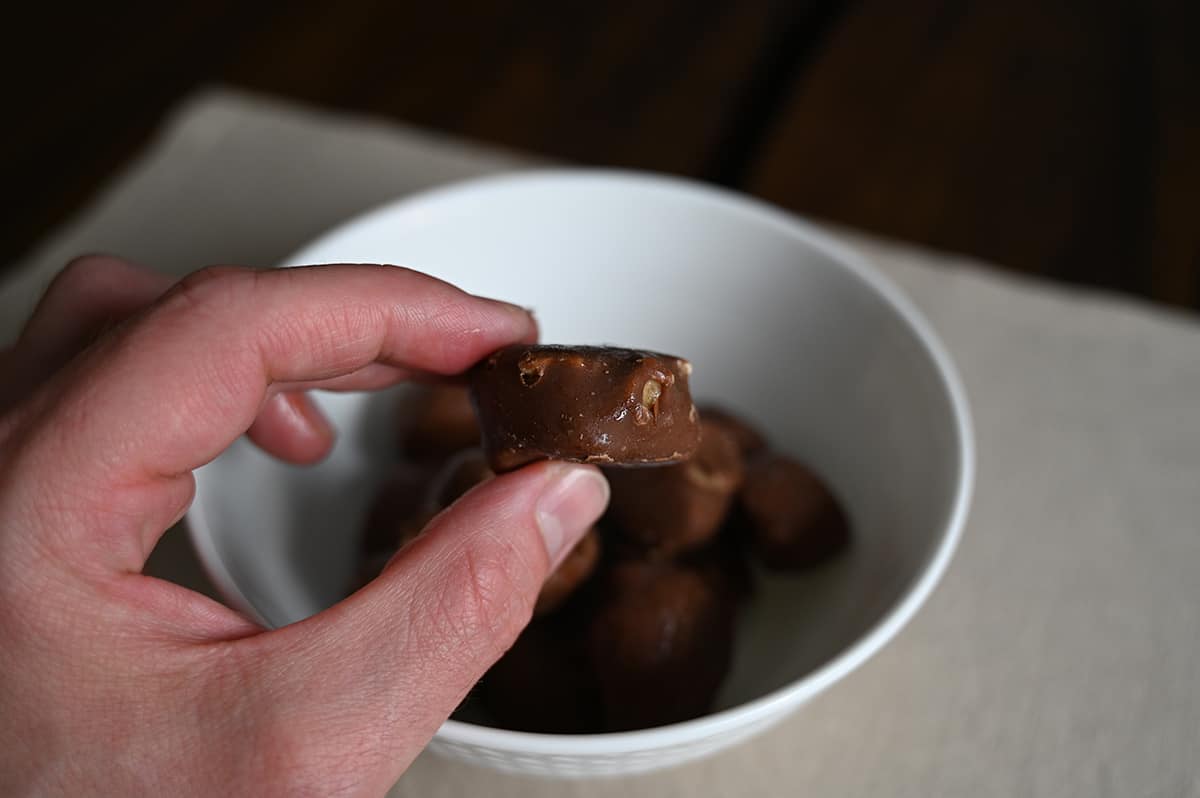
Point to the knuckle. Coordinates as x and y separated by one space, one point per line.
209 283
208 292
320 337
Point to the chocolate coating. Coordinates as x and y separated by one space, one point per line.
587 404
436 422
749 440
459 474
545 683
570 574
678 507
725 563
399 497
661 642
794 520
403 532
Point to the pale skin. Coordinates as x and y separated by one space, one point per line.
117 683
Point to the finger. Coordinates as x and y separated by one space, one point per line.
92 291
377 375
371 377
167 393
283 431
292 428
95 291
392 662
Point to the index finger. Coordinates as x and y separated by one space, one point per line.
170 391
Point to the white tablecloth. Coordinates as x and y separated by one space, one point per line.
1059 656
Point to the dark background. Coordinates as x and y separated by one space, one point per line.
1053 137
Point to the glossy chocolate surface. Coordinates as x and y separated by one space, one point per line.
749 440
586 404
660 641
678 507
794 520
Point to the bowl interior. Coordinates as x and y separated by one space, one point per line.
778 325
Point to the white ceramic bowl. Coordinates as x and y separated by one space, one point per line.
781 322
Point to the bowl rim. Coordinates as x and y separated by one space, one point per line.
772 705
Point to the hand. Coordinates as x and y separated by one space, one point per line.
116 683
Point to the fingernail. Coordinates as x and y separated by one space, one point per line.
521 316
304 413
511 308
571 501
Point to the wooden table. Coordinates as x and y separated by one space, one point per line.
1057 137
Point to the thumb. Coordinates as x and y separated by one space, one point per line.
390 663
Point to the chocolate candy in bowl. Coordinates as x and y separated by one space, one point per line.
660 640
673 508
398 499
435 422
570 574
545 683
457 475
792 517
750 441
